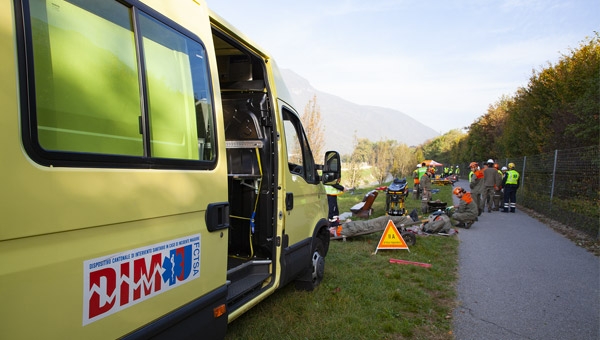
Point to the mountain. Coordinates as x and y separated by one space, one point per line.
341 118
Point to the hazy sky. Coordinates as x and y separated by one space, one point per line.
440 62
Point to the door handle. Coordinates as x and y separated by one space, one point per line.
217 216
289 201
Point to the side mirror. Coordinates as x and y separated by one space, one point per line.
332 170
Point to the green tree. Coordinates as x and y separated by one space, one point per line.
486 131
403 161
382 159
577 100
419 156
457 153
559 108
363 150
440 148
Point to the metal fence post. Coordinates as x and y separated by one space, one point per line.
553 176
523 173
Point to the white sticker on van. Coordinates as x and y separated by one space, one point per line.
118 281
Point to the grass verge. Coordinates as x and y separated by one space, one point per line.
363 295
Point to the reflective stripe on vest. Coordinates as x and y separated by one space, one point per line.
332 191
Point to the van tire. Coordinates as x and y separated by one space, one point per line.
317 267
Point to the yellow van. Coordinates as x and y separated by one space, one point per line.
157 181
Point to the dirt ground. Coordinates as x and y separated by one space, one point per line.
580 238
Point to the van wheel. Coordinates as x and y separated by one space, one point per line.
317 267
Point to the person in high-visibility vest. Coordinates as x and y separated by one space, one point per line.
510 184
474 167
416 181
422 169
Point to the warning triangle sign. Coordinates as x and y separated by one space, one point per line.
391 238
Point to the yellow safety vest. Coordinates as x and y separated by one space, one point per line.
513 177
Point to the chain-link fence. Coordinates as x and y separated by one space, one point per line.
563 185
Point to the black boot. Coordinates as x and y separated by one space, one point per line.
414 215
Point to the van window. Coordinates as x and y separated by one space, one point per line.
300 159
90 88
174 96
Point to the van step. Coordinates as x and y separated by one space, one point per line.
247 277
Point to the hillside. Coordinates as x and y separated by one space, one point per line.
341 118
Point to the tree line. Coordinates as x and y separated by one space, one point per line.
558 109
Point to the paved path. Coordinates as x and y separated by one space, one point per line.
519 279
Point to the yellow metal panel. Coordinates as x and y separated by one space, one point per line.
54 219
42 279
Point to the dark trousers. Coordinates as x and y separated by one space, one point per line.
333 206
510 197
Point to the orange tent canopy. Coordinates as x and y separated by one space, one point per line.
431 162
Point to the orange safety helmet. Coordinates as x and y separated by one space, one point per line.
457 190
473 165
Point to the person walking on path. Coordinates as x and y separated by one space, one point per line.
510 184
